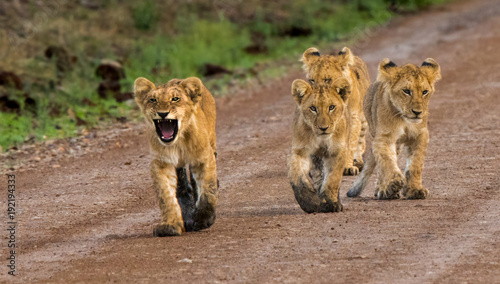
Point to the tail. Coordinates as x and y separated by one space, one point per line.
360 148
362 180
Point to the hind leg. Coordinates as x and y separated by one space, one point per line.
185 197
360 148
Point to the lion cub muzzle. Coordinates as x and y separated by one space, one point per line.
166 129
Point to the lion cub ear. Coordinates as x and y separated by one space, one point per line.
343 88
309 57
431 68
193 87
300 90
386 70
142 87
346 58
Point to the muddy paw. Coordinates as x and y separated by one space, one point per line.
392 189
359 164
351 171
415 193
189 225
164 230
203 223
338 207
327 207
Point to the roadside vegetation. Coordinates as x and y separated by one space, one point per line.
69 66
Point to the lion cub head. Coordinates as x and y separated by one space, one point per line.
322 105
410 87
326 68
169 107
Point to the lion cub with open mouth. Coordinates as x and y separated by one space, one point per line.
180 117
320 144
396 108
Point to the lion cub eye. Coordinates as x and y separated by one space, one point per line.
327 80
152 101
175 99
425 92
312 81
313 109
332 107
407 92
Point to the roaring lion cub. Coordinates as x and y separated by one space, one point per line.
319 144
326 69
396 107
180 117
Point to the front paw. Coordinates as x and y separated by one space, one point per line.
164 230
327 207
351 171
415 193
391 191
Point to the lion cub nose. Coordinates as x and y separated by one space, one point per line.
417 113
323 128
163 114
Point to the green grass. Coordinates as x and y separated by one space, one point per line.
176 42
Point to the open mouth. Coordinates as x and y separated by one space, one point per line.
166 129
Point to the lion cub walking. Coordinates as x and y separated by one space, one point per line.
319 144
180 117
326 69
396 107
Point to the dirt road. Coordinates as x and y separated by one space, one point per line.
91 220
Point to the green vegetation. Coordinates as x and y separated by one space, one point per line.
159 43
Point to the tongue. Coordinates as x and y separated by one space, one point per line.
167 129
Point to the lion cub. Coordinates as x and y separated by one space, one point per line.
326 69
319 144
396 107
180 118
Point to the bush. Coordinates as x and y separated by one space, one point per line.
145 15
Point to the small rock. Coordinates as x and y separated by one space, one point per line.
110 70
56 166
187 260
212 69
36 158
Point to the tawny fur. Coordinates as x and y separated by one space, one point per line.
396 107
326 69
319 144
185 203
